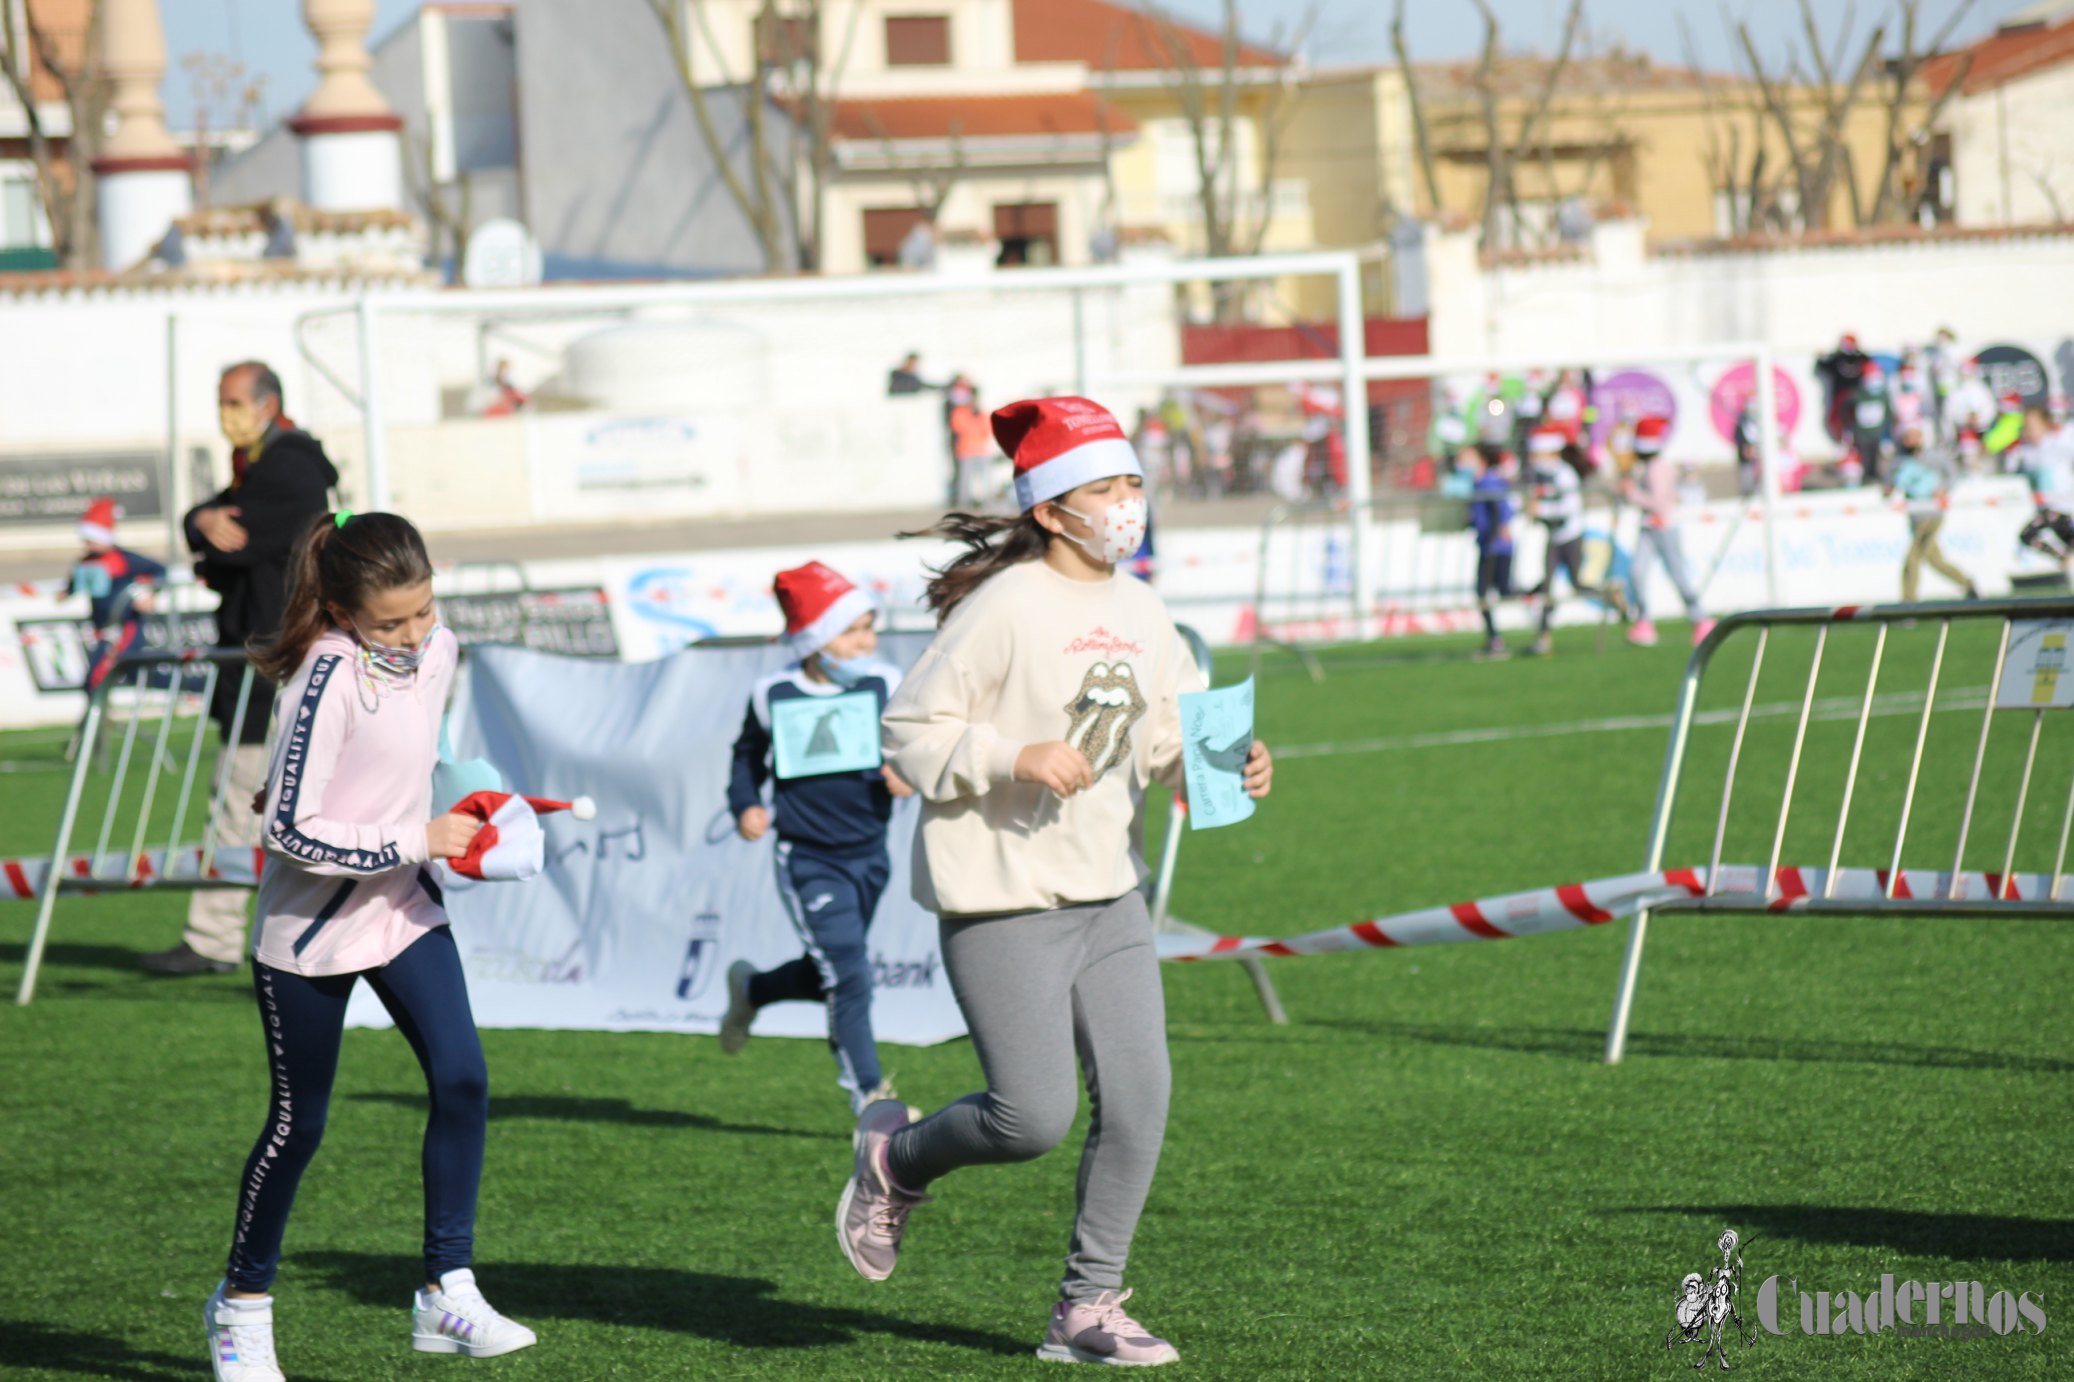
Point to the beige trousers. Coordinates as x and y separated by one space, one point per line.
216 916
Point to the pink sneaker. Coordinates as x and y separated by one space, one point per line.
1700 631
1642 634
1098 1331
873 1211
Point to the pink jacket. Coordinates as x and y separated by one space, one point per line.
347 885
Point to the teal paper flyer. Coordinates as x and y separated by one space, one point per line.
813 735
1216 736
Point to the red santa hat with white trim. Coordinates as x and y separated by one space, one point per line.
1059 444
1651 433
1546 441
98 524
819 603
511 846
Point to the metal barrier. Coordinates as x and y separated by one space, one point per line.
131 864
1163 918
2041 633
1305 585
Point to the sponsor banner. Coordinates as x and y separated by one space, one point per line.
576 622
47 489
641 910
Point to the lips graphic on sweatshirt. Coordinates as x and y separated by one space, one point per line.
1103 711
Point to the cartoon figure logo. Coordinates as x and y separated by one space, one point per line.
1706 1303
1103 711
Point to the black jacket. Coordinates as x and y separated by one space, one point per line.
283 492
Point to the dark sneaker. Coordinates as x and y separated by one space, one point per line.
873 1211
734 1023
184 959
1098 1331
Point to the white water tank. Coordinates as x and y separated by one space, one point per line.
669 366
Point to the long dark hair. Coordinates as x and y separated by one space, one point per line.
345 559
992 545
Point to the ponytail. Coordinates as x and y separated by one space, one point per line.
992 545
344 559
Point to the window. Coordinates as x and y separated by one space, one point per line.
918 40
782 41
884 229
1028 232
21 212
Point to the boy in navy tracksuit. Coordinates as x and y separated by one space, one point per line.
102 575
1490 514
831 856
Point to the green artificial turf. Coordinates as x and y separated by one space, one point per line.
1429 1173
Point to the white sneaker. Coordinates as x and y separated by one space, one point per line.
456 1319
734 1025
241 1338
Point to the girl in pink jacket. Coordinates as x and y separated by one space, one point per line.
349 892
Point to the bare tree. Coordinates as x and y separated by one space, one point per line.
932 186
1820 161
449 210
64 185
219 82
1503 155
1422 136
1890 201
778 183
1235 221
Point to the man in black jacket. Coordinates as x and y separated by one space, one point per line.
244 540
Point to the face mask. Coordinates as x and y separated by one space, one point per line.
396 661
241 423
847 671
1119 530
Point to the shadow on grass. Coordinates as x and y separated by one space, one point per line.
1960 1237
743 1311
1590 1044
579 1109
33 1344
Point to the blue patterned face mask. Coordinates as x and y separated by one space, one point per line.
396 661
848 671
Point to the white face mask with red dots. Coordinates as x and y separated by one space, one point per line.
1119 530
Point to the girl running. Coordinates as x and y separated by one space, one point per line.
1030 728
348 893
1556 470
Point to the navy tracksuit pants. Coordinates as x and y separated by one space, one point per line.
831 897
303 1019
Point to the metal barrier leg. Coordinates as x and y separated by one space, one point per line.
47 902
1163 919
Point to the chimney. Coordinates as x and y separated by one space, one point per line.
352 151
144 181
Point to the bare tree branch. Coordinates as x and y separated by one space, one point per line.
1422 137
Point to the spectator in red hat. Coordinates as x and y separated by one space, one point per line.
1031 727
831 824
1652 487
116 583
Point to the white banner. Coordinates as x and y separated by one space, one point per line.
641 911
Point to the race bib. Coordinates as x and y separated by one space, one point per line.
812 736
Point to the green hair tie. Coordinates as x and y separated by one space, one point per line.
342 517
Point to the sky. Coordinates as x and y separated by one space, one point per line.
268 36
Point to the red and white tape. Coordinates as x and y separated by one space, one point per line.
235 868
1543 911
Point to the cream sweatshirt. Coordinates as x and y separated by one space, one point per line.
1033 656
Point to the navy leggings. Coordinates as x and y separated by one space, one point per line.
303 1020
831 898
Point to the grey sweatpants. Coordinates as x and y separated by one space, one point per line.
1666 546
1037 988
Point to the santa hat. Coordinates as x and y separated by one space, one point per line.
1546 441
2012 401
511 845
818 604
1650 435
99 523
1059 444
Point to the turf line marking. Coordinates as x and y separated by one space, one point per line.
1833 708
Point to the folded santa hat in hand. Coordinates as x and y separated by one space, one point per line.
511 845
